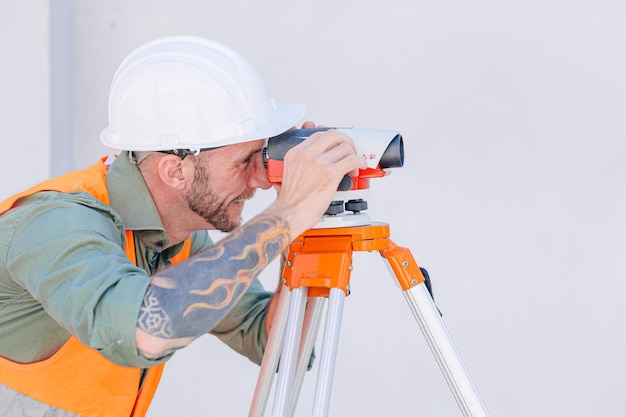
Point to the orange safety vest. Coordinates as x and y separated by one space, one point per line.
77 378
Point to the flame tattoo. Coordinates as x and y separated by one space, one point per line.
191 298
231 290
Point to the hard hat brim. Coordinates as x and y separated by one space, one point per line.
287 115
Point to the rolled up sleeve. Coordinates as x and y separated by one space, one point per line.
67 252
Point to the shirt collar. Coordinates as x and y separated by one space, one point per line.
130 198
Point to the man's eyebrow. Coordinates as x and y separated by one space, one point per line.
252 153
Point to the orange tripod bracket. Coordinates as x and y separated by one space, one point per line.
321 259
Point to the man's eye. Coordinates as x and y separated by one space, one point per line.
250 159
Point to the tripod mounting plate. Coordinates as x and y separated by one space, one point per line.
343 220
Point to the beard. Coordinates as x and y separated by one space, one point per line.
205 203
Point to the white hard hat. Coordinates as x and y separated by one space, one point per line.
185 92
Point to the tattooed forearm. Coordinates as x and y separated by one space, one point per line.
190 298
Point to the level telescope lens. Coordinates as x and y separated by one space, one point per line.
393 157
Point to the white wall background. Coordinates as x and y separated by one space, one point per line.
24 94
513 194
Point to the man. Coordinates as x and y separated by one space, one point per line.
90 304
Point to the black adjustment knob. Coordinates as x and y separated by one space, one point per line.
335 207
356 205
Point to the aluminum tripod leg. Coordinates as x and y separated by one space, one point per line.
312 319
445 352
300 339
409 277
276 345
329 353
271 356
288 359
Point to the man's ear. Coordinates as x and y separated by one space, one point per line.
174 172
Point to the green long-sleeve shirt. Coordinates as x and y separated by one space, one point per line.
63 271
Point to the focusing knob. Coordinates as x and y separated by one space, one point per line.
265 157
